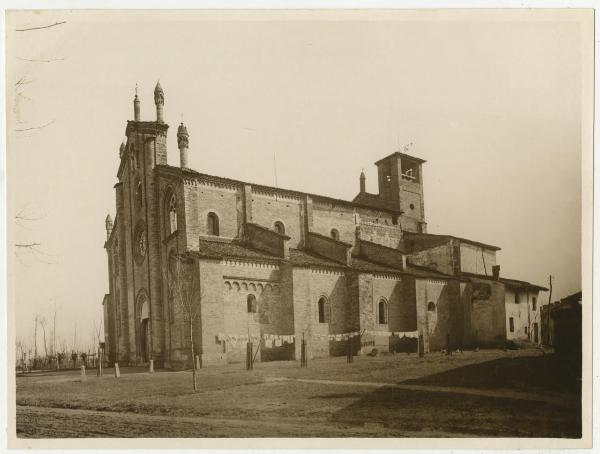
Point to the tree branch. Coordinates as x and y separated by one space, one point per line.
31 245
40 28
35 127
23 81
35 60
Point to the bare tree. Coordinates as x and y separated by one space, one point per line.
35 337
54 330
21 349
97 331
43 323
186 297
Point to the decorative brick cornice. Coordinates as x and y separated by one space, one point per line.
251 263
276 194
392 277
319 270
147 127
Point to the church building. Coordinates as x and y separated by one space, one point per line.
219 261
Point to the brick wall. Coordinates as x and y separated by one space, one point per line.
267 240
308 287
212 315
332 249
400 313
274 315
381 254
201 199
327 216
303 310
386 235
332 285
476 259
435 324
488 316
439 258
267 209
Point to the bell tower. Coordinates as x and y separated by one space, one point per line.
401 184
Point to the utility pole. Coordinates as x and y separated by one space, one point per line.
54 331
549 308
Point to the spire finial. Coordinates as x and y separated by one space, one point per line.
136 105
362 179
183 143
159 101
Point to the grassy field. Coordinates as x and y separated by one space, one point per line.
486 393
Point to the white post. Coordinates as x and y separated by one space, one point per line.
117 371
83 376
151 366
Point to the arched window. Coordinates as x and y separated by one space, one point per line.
279 227
335 234
382 315
212 224
251 304
431 306
139 194
172 209
322 307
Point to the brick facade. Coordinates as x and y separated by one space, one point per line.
369 262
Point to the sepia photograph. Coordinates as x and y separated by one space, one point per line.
352 225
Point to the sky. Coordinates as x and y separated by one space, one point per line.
493 106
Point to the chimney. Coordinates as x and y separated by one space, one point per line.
496 272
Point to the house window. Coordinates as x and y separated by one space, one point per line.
511 324
335 234
280 228
517 298
525 330
431 306
322 310
251 304
534 303
382 312
212 224
172 208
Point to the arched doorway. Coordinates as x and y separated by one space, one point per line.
144 329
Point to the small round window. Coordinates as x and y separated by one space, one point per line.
412 206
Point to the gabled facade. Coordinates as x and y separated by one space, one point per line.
280 265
